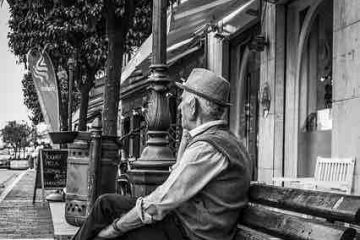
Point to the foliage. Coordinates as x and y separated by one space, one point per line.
65 32
79 29
71 25
16 135
31 99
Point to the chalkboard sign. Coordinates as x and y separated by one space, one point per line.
51 169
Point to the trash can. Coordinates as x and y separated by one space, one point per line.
81 190
76 198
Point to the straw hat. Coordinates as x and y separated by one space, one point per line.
208 85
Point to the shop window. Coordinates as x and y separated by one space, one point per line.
315 96
316 80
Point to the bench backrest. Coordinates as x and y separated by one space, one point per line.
278 212
334 173
329 205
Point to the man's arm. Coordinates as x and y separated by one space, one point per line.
198 166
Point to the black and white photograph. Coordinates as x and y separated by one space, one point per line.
179 119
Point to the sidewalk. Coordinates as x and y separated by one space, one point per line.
21 219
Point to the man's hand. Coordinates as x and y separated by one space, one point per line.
108 232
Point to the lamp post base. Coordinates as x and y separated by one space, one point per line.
145 181
153 167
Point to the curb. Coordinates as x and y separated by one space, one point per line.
62 230
11 186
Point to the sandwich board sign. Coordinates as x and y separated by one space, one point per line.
50 170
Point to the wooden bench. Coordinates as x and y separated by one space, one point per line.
288 213
331 174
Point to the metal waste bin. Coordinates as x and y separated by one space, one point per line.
76 198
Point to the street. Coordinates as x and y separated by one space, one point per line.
7 177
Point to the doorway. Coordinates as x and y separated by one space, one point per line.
308 85
245 84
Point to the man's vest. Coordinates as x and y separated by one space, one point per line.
213 212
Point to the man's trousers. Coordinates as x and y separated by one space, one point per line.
111 206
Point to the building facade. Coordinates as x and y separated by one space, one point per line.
311 67
293 66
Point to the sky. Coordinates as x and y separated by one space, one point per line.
11 74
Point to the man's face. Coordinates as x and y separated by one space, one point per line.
187 110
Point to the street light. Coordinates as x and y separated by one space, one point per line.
153 166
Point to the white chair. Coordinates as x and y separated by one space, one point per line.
331 174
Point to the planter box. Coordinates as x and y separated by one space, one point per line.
62 137
19 164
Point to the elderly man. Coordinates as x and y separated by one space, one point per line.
207 187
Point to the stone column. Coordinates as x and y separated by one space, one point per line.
346 85
272 72
218 54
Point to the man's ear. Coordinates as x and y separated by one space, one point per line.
194 107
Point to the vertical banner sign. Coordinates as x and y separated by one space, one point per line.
43 75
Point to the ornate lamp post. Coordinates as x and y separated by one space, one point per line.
153 166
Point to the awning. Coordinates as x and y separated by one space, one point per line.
187 25
142 60
189 20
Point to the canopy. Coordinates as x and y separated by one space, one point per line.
187 22
186 25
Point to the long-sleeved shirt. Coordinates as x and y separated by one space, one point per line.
194 169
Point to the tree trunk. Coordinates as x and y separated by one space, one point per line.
84 100
62 106
15 152
84 103
63 112
116 30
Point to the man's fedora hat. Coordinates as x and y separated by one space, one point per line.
208 85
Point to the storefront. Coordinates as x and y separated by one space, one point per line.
199 36
311 66
134 101
293 69
296 66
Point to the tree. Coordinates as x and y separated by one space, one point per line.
66 32
126 24
117 25
31 99
93 31
123 20
16 135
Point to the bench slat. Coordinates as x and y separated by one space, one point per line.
292 227
245 233
332 206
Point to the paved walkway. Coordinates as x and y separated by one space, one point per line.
19 218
